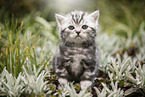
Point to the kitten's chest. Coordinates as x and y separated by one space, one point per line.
77 65
75 52
74 59
75 55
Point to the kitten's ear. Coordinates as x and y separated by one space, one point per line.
59 19
95 16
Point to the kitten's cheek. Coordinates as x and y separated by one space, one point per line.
72 35
83 35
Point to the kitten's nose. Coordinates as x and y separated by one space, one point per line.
78 32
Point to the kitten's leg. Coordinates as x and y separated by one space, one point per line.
62 76
87 79
60 70
62 81
85 84
89 74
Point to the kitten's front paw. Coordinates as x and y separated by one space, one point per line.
85 84
62 81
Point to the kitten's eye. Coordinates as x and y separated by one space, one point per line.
71 27
84 26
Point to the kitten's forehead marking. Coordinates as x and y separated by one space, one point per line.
77 16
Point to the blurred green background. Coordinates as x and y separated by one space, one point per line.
29 38
31 24
112 12
119 10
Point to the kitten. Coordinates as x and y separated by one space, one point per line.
76 58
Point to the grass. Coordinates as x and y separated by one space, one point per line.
27 49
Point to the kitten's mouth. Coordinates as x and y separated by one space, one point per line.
78 36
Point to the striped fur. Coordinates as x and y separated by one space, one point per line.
77 16
76 57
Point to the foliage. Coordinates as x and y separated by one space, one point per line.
115 91
34 79
70 90
13 53
27 49
10 85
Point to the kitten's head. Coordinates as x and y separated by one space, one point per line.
77 26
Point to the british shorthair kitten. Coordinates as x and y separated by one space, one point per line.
76 58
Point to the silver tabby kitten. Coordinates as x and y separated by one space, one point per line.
76 57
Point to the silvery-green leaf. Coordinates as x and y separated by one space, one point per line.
102 93
82 93
124 65
104 85
112 93
97 91
129 91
